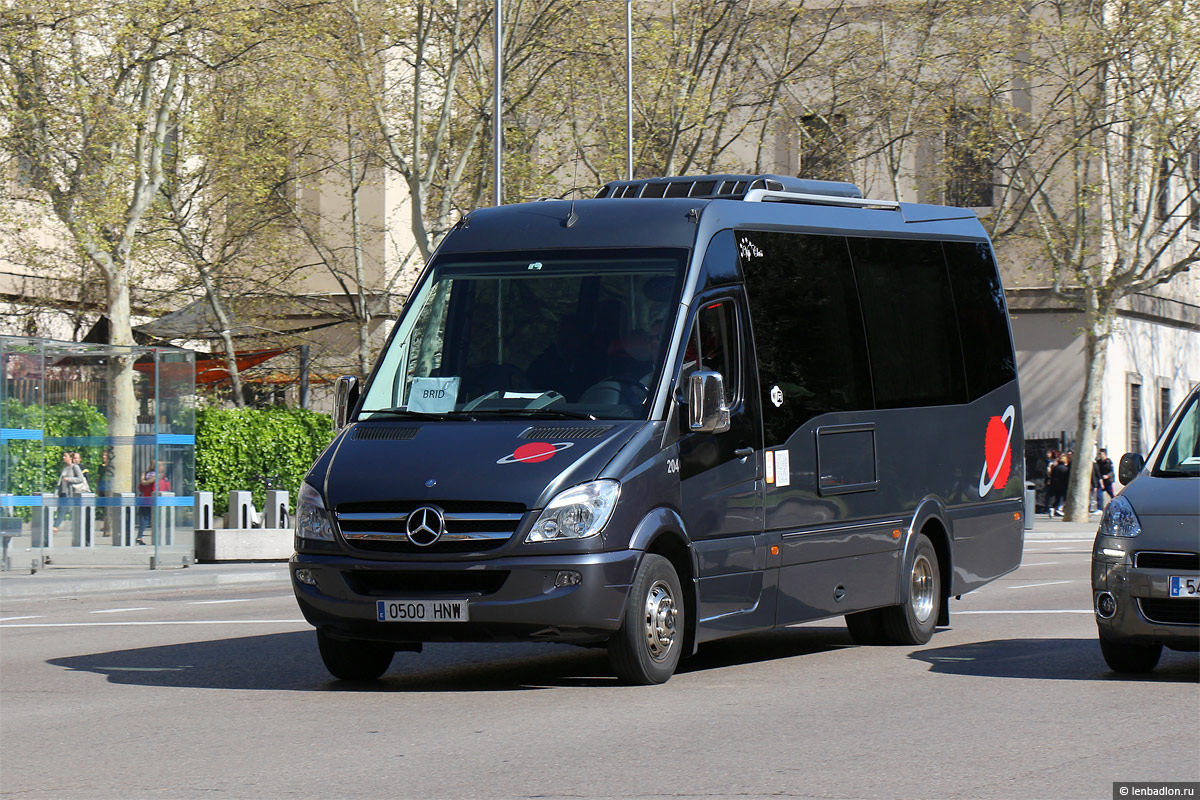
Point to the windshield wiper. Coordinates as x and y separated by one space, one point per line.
1174 473
556 413
436 415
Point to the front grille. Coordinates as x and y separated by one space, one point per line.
385 433
565 432
1171 610
389 583
1156 560
470 527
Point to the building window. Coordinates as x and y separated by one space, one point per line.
968 165
823 155
1163 208
1194 181
1164 407
1135 415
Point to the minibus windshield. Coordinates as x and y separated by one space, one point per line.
555 334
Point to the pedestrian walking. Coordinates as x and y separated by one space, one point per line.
1102 478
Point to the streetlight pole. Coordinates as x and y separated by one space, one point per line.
628 89
496 129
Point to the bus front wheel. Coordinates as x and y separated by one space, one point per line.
646 648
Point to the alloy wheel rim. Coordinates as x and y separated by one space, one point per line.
922 589
660 619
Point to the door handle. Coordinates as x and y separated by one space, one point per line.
744 452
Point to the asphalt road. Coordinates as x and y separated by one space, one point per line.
220 693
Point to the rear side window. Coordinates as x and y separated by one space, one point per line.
912 327
808 331
982 318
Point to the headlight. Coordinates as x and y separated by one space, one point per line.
312 520
577 513
1119 519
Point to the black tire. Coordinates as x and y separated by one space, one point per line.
1130 658
866 627
646 648
350 660
913 621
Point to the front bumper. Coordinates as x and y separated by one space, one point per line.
510 599
1145 611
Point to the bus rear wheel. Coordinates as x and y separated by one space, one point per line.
351 660
645 650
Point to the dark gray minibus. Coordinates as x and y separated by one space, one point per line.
685 409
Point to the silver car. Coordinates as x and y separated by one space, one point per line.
1146 559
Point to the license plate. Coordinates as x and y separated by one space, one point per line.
1185 587
421 610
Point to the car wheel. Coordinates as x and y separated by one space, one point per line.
645 650
351 660
913 621
866 627
1133 658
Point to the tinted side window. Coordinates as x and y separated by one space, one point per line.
912 328
720 261
713 346
982 319
807 328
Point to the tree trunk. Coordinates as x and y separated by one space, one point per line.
1099 315
122 404
218 309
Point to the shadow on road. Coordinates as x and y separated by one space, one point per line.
1050 659
290 662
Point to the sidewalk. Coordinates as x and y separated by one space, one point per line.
67 581
80 580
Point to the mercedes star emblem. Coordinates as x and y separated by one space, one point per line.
425 525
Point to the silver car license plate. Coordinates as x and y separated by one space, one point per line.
1182 586
421 610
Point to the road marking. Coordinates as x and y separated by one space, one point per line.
1041 564
119 610
10 619
162 622
217 602
1032 585
1032 611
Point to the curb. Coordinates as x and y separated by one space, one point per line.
60 585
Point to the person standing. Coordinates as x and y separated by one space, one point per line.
70 483
1060 476
152 481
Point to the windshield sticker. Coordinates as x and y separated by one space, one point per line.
533 452
433 395
997 452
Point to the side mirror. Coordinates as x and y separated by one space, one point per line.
345 398
1131 465
707 412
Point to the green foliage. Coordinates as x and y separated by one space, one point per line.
32 467
243 448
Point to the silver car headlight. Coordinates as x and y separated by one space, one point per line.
577 513
312 519
1119 519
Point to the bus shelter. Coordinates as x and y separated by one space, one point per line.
94 471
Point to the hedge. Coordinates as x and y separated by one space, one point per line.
33 468
247 448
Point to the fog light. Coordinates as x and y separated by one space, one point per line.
306 576
567 577
1112 553
1106 605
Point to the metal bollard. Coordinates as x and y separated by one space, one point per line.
123 522
164 520
241 510
1029 505
83 526
204 510
43 521
276 512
